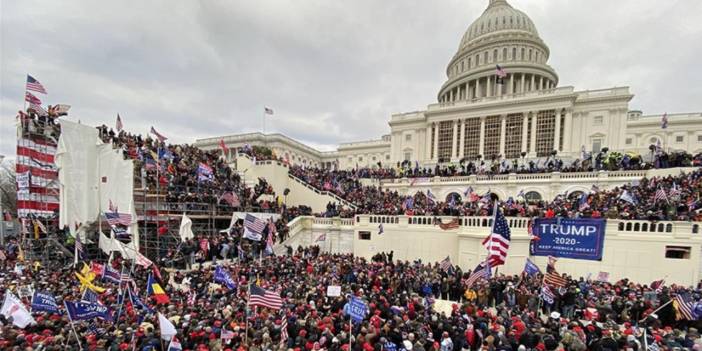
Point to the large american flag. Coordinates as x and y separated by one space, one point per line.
482 271
30 98
158 135
262 297
115 218
254 227
555 279
446 264
497 243
34 85
660 195
684 305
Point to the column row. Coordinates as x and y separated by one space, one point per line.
513 83
518 133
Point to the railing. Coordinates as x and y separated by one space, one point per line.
520 177
322 192
520 224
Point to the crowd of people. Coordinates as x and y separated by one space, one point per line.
659 198
504 312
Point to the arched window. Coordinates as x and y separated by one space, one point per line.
457 200
462 68
532 197
494 55
529 54
485 57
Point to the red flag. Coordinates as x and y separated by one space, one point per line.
223 146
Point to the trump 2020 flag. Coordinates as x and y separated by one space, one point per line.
43 301
82 310
222 276
530 268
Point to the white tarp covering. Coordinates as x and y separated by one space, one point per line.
91 175
76 160
186 228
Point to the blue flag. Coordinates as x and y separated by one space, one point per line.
89 296
136 301
222 276
81 310
530 268
111 274
43 301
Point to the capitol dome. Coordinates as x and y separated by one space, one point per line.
502 36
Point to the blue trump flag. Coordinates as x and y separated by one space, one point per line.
356 309
81 310
530 268
43 301
136 301
580 239
222 276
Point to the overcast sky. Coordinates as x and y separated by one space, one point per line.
333 71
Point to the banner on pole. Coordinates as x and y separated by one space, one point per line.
581 239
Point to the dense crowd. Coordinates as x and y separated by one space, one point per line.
658 198
502 313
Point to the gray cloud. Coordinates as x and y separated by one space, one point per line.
333 71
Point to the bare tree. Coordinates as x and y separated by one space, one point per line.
8 186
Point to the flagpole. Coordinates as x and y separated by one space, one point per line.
75 333
264 121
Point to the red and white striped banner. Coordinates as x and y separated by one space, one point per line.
37 179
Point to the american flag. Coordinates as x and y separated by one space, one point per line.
482 270
555 279
118 124
660 195
446 264
231 198
254 223
262 297
664 121
675 190
115 218
500 72
658 285
268 110
158 135
79 247
30 98
284 330
38 109
111 274
34 85
684 305
497 243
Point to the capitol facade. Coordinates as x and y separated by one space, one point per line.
484 113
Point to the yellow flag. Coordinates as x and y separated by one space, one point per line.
85 283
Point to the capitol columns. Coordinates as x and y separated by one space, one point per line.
435 155
462 139
477 88
521 89
427 135
532 141
557 131
568 131
525 131
481 148
503 134
454 140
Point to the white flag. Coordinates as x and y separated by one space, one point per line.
186 228
13 307
168 330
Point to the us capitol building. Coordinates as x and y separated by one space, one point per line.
480 116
